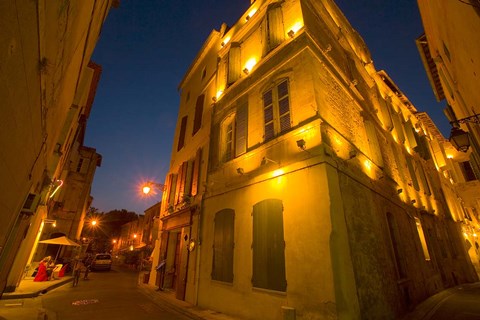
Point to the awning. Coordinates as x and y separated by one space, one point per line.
64 241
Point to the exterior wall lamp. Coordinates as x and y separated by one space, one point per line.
301 144
148 186
459 138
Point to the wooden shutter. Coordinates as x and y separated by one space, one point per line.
423 179
411 169
234 63
268 246
241 126
409 130
173 190
268 115
398 124
196 172
197 122
375 152
181 138
222 267
276 33
283 106
188 178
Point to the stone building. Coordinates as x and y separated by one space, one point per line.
451 57
303 183
45 83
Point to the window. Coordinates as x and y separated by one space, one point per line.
197 121
396 246
181 138
204 73
234 63
467 171
234 133
274 32
375 153
268 246
413 176
79 165
276 110
423 241
223 242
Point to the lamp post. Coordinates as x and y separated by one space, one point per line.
459 138
149 185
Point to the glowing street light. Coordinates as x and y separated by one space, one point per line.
94 222
149 185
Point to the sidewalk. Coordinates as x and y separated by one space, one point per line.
17 306
30 289
182 307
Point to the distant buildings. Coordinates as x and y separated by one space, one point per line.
303 182
47 87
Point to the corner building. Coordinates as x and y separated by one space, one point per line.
323 195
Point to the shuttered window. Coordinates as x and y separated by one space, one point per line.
197 122
398 125
241 126
375 152
234 63
410 131
276 110
411 169
181 138
268 246
275 33
229 141
196 172
223 243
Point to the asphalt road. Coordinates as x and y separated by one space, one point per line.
106 295
463 305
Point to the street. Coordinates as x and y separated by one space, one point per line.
106 295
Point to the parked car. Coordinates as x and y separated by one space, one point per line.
101 261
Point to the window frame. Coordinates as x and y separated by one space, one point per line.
274 123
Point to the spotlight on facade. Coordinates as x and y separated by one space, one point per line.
240 171
291 33
301 144
399 191
413 201
246 71
352 154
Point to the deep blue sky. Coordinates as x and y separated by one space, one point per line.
145 49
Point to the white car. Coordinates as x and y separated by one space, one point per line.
101 261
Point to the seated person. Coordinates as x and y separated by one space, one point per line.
62 271
42 271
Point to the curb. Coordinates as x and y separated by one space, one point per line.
13 295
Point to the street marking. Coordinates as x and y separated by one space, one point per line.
84 302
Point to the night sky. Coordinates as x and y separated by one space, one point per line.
145 49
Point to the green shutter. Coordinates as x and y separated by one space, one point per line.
241 129
234 63
222 266
268 246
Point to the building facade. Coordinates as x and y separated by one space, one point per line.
451 61
325 193
44 74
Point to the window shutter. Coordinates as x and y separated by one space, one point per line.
283 106
168 187
197 122
241 129
173 190
234 63
188 178
384 110
423 179
410 134
181 138
411 169
375 152
196 172
276 33
229 141
222 267
398 124
268 115
268 246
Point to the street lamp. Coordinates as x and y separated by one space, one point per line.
94 222
149 185
459 138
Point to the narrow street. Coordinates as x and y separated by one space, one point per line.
106 295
